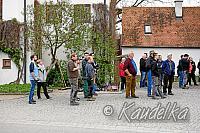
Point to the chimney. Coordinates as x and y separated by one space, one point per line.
178 8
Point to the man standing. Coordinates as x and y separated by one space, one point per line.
73 78
180 72
33 77
159 65
90 74
191 74
156 85
143 70
185 65
198 66
149 76
168 69
130 69
85 86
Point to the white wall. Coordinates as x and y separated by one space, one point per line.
14 9
176 52
7 75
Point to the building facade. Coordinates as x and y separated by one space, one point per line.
166 30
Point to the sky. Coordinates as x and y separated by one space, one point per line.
14 8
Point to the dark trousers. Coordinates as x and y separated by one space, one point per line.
168 80
193 77
123 82
90 87
74 89
44 86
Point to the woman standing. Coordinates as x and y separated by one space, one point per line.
122 74
42 79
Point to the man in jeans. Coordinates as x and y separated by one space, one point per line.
143 70
90 74
33 77
73 78
149 76
85 86
130 69
185 66
180 72
168 69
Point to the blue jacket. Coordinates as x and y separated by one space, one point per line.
166 68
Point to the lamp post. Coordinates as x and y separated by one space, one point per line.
25 42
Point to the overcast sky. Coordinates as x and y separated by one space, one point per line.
14 8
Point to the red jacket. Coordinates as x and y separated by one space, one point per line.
121 71
128 65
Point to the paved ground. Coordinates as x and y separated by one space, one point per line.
56 115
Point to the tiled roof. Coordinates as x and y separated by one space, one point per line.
167 30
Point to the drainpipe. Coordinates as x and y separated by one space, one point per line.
25 42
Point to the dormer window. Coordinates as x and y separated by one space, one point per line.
178 8
147 29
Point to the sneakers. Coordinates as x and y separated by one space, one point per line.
77 99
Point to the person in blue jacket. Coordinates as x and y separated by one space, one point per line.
33 77
168 69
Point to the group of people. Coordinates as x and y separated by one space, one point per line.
38 75
156 74
186 71
89 71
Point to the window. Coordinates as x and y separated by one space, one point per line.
178 9
147 29
6 64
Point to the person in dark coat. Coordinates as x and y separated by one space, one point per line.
143 70
168 69
155 78
191 74
198 66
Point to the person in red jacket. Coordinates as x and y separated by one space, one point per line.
130 69
122 74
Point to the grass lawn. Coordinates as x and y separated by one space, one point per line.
14 88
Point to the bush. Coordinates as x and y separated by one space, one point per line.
54 77
14 88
